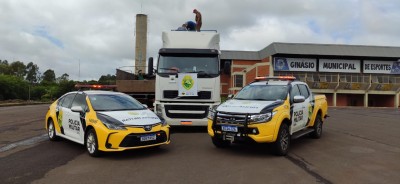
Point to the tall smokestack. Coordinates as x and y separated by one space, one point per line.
141 43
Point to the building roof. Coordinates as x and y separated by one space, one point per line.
240 55
314 49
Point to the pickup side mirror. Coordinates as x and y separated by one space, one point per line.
77 109
298 99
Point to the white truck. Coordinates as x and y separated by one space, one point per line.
187 77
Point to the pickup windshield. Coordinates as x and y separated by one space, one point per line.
263 92
114 102
204 65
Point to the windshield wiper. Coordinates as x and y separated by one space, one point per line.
260 99
240 99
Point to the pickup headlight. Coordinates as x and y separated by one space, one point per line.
261 118
111 123
211 112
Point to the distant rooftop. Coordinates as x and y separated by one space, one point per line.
314 49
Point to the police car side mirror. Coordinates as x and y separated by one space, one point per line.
298 99
77 109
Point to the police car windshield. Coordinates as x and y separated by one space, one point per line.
263 92
114 102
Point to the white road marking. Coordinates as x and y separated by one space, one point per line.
25 142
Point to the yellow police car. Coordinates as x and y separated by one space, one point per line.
105 121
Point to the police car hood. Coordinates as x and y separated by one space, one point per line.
137 117
244 106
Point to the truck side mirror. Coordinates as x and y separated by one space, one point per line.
227 67
150 67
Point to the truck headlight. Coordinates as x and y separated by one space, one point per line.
261 118
111 123
158 110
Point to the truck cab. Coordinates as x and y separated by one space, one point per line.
187 77
269 110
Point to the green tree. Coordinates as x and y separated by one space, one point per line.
13 87
18 69
63 77
4 67
49 76
65 86
32 73
107 79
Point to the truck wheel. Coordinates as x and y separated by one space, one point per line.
219 143
317 128
283 141
91 143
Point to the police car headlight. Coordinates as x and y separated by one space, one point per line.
162 121
111 123
261 118
158 110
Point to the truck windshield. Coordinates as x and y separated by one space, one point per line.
263 92
204 65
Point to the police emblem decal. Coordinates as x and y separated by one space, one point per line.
147 127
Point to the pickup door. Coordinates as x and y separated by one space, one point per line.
300 110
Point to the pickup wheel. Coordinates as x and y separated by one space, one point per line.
283 141
219 143
317 128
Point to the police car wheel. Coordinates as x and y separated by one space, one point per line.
283 141
219 143
92 143
317 133
51 131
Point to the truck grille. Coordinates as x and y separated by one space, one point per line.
187 111
174 94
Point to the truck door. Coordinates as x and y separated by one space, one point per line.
297 110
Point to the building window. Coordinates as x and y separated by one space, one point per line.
238 81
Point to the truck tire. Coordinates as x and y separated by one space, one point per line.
219 143
283 141
317 133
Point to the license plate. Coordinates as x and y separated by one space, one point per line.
148 137
229 128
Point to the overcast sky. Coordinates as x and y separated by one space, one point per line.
99 35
